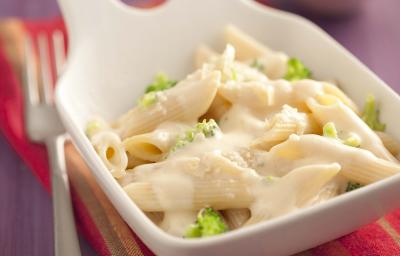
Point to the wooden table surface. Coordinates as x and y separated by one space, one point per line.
373 35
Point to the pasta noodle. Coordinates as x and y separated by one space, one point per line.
172 106
218 108
236 217
111 151
220 194
252 94
249 49
335 91
156 217
133 161
347 121
153 146
283 124
358 165
316 176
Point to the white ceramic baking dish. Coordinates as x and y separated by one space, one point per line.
114 52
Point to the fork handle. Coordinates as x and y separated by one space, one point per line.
65 235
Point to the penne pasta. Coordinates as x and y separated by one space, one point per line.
111 151
153 146
133 161
145 147
218 108
248 49
370 171
327 192
246 46
282 125
172 106
232 70
348 122
155 217
252 94
315 176
335 91
235 218
326 94
357 164
219 194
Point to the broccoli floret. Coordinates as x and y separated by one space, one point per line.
329 131
371 114
148 99
257 65
234 75
208 223
352 186
93 127
161 82
352 141
270 178
207 128
296 70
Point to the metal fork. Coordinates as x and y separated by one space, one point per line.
44 126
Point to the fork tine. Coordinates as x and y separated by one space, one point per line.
30 75
59 52
46 77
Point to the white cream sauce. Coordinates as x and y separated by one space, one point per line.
176 222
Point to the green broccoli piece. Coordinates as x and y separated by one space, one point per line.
296 70
352 186
161 82
209 223
270 178
94 127
207 128
329 130
371 114
352 141
234 75
257 65
148 99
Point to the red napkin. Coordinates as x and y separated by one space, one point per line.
96 218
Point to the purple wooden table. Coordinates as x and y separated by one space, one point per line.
25 208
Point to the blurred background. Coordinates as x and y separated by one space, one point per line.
368 28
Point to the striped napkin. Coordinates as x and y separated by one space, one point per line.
96 217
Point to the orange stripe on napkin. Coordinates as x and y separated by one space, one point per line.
390 230
393 219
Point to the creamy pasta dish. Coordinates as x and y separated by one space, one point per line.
247 137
